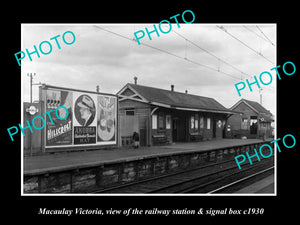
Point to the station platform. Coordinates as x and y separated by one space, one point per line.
58 162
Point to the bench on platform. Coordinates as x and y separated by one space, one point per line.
127 140
196 136
159 139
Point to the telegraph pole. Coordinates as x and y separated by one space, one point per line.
31 84
260 96
30 136
30 75
31 79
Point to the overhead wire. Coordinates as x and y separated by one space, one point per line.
183 58
247 28
167 52
211 54
226 31
265 36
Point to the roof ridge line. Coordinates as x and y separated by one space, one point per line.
173 91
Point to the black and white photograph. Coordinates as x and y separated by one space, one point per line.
129 112
191 111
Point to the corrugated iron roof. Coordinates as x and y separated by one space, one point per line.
178 99
258 107
262 111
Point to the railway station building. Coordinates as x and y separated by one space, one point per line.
165 116
251 121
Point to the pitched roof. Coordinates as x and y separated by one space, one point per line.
257 106
264 113
178 100
254 105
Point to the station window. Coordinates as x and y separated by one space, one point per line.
244 124
253 120
223 123
201 122
168 121
129 112
160 122
208 123
154 121
194 123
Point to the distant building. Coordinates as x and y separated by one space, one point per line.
165 116
252 121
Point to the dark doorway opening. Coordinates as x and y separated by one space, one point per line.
174 129
253 124
214 128
179 128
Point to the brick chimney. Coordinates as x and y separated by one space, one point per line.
172 87
186 91
135 80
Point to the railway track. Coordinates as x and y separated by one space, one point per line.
220 184
202 179
236 185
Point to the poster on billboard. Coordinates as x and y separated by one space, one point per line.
92 118
59 132
85 122
106 119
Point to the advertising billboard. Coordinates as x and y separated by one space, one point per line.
92 118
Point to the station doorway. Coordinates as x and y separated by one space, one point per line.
253 125
179 129
214 127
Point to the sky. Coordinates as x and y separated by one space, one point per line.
99 57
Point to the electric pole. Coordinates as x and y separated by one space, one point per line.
30 75
31 84
260 96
